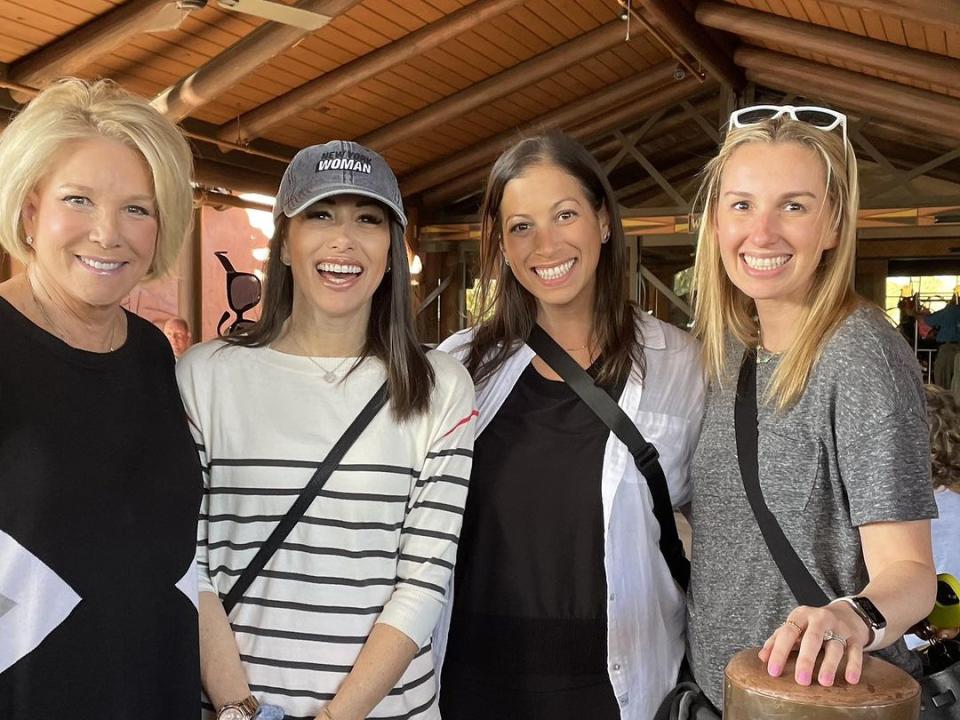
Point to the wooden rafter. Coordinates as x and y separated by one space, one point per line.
236 62
607 123
593 104
254 123
944 14
803 36
676 20
76 50
503 83
913 107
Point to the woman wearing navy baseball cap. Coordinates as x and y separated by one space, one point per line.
336 455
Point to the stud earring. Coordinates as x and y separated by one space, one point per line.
606 237
29 239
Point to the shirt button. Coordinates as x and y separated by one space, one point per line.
616 667
613 596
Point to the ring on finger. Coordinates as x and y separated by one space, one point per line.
831 635
794 625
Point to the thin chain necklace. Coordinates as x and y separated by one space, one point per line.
329 376
59 331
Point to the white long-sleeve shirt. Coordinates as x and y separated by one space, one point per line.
645 608
377 545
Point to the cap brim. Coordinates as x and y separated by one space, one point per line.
331 190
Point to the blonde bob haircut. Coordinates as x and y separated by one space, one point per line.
722 310
72 110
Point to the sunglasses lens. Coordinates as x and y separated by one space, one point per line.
752 116
818 118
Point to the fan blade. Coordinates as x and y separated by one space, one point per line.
168 17
278 12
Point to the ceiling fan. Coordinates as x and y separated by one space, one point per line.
172 14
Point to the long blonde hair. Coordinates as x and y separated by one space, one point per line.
721 309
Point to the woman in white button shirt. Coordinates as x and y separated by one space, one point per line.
563 605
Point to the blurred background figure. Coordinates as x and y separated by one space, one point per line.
178 333
943 412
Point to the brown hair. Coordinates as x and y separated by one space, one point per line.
506 312
943 413
391 336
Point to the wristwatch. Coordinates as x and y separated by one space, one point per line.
241 710
875 621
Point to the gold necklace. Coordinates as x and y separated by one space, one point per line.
59 331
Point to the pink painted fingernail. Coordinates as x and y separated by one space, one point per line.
826 679
853 678
774 670
803 678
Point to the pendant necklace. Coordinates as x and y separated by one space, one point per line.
57 330
328 376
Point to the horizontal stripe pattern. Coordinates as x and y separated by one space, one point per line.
377 545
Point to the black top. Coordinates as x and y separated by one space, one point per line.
99 494
529 613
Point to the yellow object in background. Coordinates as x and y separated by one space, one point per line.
946 611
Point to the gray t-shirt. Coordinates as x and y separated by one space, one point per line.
853 450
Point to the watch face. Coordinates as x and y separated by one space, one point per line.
231 713
874 616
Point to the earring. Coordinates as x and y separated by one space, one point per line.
29 239
606 237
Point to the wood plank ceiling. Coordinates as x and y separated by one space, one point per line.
442 111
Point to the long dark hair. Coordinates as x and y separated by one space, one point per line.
506 311
391 336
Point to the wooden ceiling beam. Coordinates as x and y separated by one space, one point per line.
256 122
632 112
503 83
213 174
847 99
76 50
583 109
651 103
916 64
929 110
942 14
239 60
673 17
664 127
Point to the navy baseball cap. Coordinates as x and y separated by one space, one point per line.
338 167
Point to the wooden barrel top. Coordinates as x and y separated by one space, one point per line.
880 683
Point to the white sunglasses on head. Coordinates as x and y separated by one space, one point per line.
820 117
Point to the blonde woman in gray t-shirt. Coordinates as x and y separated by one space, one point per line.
842 448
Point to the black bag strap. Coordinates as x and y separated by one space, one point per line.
644 454
310 491
802 584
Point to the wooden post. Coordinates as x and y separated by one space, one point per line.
190 277
450 320
871 279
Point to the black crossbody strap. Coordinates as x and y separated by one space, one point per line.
310 491
802 584
644 454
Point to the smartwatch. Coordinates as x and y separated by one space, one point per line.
241 710
875 621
